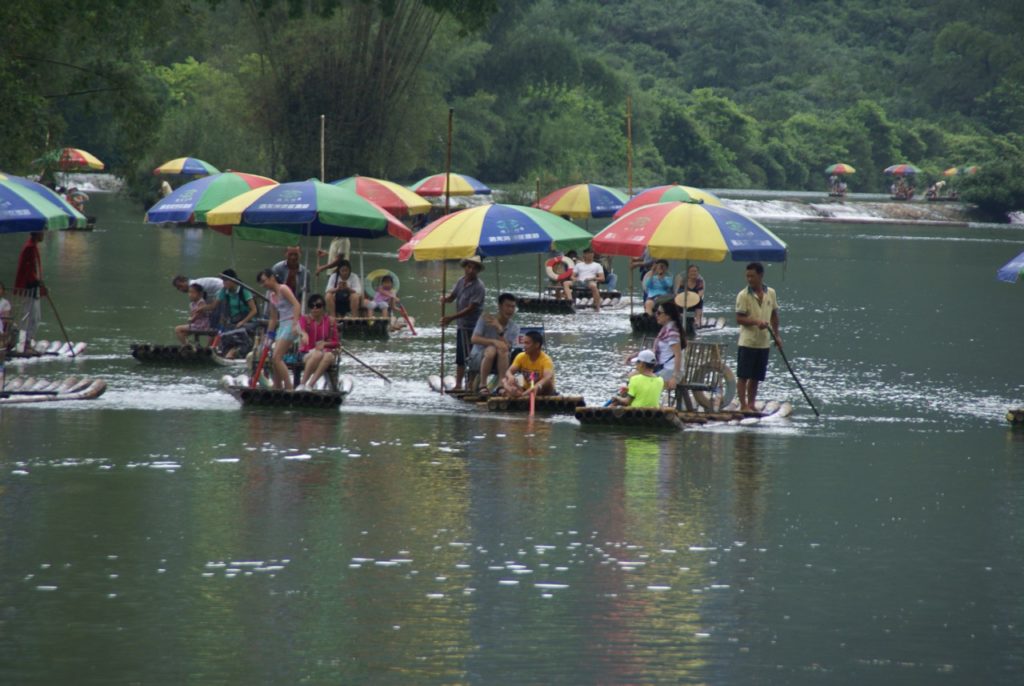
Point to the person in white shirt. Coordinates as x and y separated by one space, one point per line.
587 273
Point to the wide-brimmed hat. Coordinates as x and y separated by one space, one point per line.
475 259
645 356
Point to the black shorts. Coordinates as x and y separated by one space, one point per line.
751 363
462 346
342 305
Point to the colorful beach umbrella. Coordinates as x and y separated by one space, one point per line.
670 193
395 198
839 168
70 159
961 171
24 209
685 231
1013 270
304 208
190 203
583 201
902 170
187 166
493 231
76 217
434 185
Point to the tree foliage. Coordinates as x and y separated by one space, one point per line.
762 93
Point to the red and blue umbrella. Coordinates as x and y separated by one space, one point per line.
76 218
190 203
902 170
686 231
396 199
187 166
304 208
840 168
670 193
583 201
434 186
493 231
1013 270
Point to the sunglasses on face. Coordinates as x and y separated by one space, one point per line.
316 305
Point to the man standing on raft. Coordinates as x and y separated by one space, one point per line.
468 295
757 309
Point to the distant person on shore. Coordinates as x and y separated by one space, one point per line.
28 285
757 313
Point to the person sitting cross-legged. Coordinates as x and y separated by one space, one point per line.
532 371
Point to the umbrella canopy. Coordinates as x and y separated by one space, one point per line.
304 208
190 203
24 209
840 168
396 199
187 166
902 170
70 159
1012 270
492 231
434 185
961 171
77 218
583 201
671 193
684 231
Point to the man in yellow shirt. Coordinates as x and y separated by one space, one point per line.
536 367
757 310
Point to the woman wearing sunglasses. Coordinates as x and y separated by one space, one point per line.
318 341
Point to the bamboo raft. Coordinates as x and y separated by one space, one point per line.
47 349
552 305
667 417
325 397
31 390
364 327
548 404
644 323
1015 416
152 353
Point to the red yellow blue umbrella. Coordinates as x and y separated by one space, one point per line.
670 193
961 171
396 199
434 186
189 203
187 166
840 168
686 231
583 201
493 231
901 170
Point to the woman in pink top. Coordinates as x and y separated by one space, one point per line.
318 341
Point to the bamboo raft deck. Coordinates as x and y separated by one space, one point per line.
547 404
153 353
667 417
365 327
32 390
37 349
549 304
327 397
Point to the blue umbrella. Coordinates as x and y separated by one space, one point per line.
1012 270
17 216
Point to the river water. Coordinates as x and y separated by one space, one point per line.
161 534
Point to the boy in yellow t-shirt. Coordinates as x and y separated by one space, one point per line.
536 367
645 386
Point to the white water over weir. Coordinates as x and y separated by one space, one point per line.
859 208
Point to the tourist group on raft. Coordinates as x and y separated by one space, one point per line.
486 342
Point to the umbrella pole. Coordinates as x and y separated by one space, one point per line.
323 123
448 173
631 288
540 288
497 274
444 288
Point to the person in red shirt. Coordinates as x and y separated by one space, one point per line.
28 284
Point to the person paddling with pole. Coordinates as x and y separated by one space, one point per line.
468 295
757 313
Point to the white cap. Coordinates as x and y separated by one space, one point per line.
646 356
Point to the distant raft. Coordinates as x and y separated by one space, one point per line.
32 390
364 327
154 353
1015 416
644 323
324 397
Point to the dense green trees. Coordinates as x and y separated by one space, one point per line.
761 93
